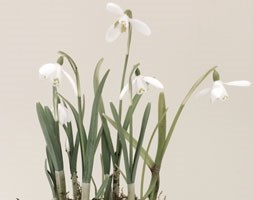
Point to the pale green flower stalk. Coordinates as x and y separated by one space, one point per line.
152 191
125 23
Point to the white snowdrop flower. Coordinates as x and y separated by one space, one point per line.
219 92
63 114
53 72
141 84
122 23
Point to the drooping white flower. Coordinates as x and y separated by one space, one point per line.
63 114
122 23
219 92
140 85
53 72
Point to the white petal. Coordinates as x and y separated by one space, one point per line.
140 85
203 92
140 26
71 81
112 33
48 71
123 92
242 83
114 8
153 81
67 146
63 114
218 92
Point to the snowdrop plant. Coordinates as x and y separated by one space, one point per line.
82 142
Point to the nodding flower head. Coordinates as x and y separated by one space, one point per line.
141 84
53 72
121 25
218 90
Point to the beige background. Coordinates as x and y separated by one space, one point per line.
211 153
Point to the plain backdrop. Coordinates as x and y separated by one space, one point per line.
210 155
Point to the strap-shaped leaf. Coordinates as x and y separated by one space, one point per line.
126 123
106 133
150 163
102 188
50 138
50 181
147 151
108 191
131 110
74 154
91 141
96 74
161 128
69 133
76 116
106 156
54 134
123 142
51 166
140 140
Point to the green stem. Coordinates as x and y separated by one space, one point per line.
118 145
125 66
185 100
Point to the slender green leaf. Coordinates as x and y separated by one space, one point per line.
69 133
50 138
106 156
83 107
51 166
150 163
140 140
123 142
102 188
147 151
96 74
161 127
50 181
151 186
76 116
90 149
106 132
100 132
94 184
108 189
74 154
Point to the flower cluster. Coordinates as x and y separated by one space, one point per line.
100 132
